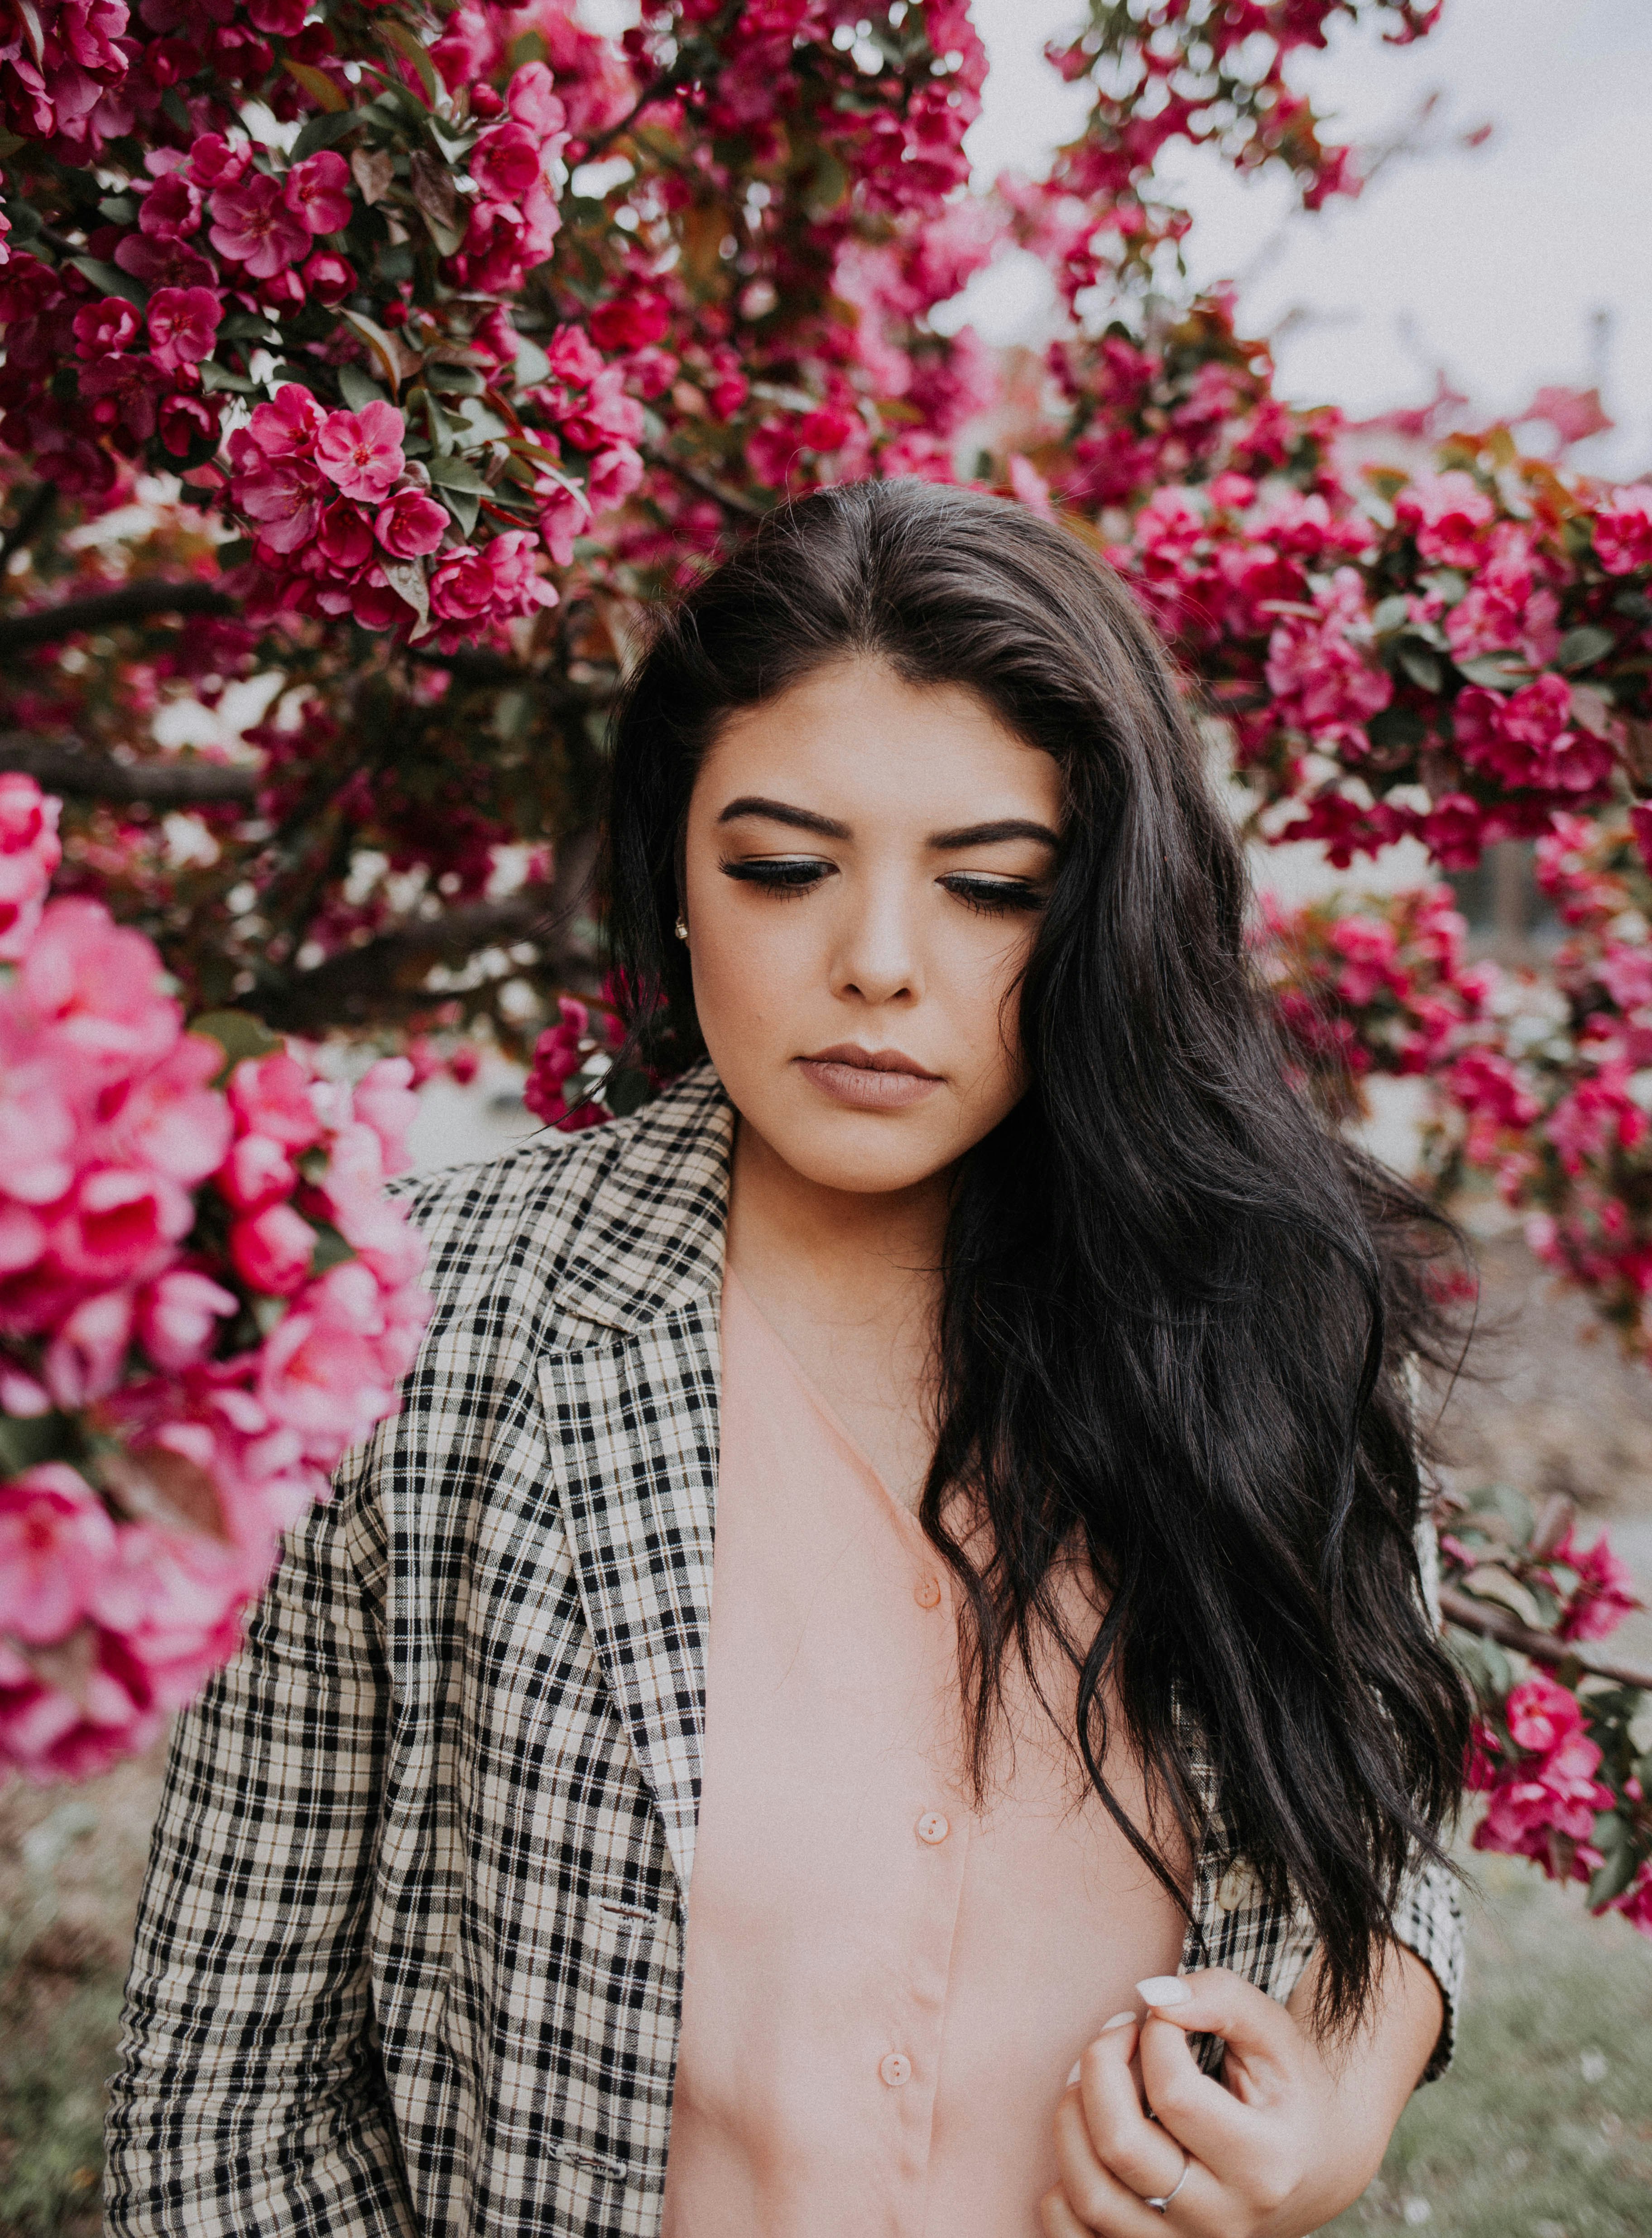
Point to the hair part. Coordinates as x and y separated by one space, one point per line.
1176 1312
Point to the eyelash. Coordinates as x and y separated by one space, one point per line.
790 876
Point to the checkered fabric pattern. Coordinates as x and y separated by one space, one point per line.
409 1957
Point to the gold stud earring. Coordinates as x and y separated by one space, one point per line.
681 930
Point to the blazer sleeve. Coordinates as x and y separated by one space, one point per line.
249 2097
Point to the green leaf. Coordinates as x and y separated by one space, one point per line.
119 210
357 389
1582 648
239 1034
234 553
248 326
318 86
1395 726
455 380
407 578
533 365
112 280
237 384
324 130
1390 613
1614 1876
405 43
25 1441
463 505
456 474
378 343
330 1250
1422 663
1494 672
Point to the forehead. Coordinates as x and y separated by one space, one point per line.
855 740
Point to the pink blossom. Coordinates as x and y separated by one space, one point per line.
329 277
97 983
56 1539
270 1095
572 359
385 1100
564 513
557 1057
216 161
361 451
530 100
611 476
1605 1592
318 192
117 1224
177 1316
289 426
505 163
88 1350
104 326
253 225
344 541
1445 512
183 325
1623 531
322 1378
410 524
284 501
272 1250
257 1172
29 853
171 208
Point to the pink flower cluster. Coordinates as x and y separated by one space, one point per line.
1543 1794
345 524
514 220
562 1052
205 1297
29 853
1381 989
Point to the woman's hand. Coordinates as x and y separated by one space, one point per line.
1291 2135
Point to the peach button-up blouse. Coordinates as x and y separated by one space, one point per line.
885 1987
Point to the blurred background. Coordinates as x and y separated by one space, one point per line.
1505 230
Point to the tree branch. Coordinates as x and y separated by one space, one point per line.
1542 1646
64 768
734 500
133 602
388 974
22 531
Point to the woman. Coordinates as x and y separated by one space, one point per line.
1062 1758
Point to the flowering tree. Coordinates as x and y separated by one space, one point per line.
369 365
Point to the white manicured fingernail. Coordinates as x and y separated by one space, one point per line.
1164 1990
1119 2020
1078 2068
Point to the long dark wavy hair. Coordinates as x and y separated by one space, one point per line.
1177 1313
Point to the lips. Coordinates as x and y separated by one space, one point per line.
868 1080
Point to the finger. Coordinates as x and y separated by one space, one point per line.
1126 2143
1096 2198
1233 2133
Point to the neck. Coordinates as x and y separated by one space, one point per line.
860 1255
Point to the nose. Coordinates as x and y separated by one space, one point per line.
876 957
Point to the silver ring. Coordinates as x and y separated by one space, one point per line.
1162 2205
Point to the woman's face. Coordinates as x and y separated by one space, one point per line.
865 864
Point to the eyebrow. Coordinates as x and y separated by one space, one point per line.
827 827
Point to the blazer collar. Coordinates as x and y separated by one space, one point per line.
652 1240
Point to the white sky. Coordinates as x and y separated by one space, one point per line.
1490 263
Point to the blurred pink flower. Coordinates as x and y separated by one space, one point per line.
272 1250
385 1100
56 1541
271 1095
178 1317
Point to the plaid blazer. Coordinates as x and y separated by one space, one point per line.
409 1957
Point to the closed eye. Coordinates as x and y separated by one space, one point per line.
994 896
779 874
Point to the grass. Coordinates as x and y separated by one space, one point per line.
1543 2129
1544 2126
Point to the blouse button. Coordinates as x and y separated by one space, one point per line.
927 1592
932 1827
895 2068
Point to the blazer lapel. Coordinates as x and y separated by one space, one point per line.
631 1405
